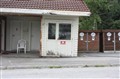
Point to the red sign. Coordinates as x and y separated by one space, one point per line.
63 42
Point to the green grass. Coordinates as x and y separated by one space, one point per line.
94 66
99 66
55 67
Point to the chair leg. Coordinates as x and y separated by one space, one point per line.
25 51
17 51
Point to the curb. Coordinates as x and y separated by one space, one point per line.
53 67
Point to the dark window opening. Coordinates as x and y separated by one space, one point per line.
51 31
64 31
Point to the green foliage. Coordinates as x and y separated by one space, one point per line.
105 15
55 67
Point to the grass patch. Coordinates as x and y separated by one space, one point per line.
55 67
99 66
86 66
94 66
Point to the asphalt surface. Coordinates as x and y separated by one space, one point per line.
69 73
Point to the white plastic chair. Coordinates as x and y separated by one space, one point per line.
21 45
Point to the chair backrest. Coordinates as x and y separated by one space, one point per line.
22 43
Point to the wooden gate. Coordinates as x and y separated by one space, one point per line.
111 40
88 41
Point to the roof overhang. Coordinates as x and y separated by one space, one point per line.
43 12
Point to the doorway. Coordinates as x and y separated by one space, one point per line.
15 33
35 36
27 28
0 35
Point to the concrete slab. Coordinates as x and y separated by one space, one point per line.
98 54
22 62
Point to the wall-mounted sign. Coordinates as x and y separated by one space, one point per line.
81 35
119 35
62 42
109 36
93 36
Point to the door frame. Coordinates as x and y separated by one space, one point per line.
3 30
0 33
30 34
57 22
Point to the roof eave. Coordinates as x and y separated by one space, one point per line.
43 12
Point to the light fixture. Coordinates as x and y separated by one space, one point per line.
81 35
109 35
93 36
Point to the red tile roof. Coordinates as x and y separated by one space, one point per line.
62 5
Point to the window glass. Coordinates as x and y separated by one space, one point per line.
65 31
51 31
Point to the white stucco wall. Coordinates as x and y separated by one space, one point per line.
74 34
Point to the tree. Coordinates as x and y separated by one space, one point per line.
105 15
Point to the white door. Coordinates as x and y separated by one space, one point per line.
15 33
51 43
25 31
35 35
58 38
64 41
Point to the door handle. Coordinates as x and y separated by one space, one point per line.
113 41
87 41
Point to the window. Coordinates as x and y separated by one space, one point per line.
51 31
64 31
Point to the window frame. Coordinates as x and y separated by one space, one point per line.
59 31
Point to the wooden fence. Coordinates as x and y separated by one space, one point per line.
99 41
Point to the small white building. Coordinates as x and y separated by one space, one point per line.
48 26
